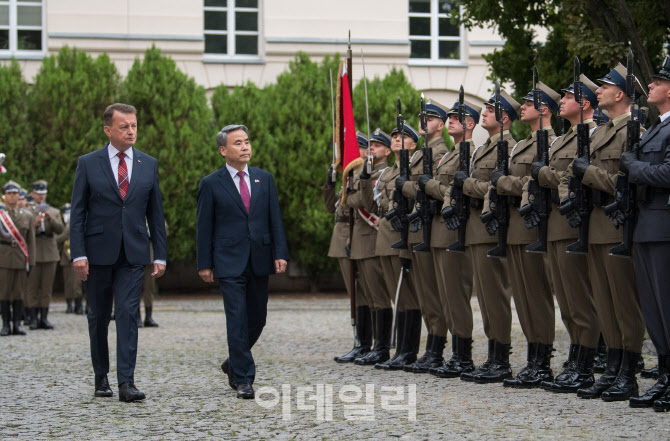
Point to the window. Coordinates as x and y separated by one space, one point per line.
433 37
231 28
21 26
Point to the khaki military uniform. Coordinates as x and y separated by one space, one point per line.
71 281
149 283
453 269
423 266
13 277
47 256
570 279
612 278
533 300
491 278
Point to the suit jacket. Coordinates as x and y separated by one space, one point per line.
100 220
653 169
228 237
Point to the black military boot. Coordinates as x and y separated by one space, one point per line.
138 318
625 386
447 364
382 332
17 307
470 376
432 358
500 369
33 324
44 323
530 363
541 371
364 332
78 308
658 390
149 322
606 380
569 367
460 363
580 377
399 335
68 307
600 362
6 319
411 341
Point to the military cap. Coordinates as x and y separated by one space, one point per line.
362 139
66 207
11 187
408 131
39 186
433 108
549 96
472 110
22 193
617 77
588 90
509 104
664 73
380 136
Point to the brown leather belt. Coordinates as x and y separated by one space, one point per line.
342 219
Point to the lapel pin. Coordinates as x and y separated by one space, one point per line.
256 180
139 160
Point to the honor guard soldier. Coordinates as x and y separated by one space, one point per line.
453 268
71 282
339 250
48 224
396 270
17 254
22 198
423 268
148 289
491 279
570 280
649 168
612 278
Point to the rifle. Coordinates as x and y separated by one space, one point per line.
398 216
540 198
460 203
581 199
426 207
626 200
499 204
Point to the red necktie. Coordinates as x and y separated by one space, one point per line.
244 191
123 175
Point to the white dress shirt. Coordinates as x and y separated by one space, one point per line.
665 116
236 178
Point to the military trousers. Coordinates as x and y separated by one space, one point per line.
615 297
372 279
345 269
148 287
573 293
41 284
432 310
491 283
653 279
407 299
12 284
532 296
454 281
71 283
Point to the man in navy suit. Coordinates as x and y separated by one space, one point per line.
115 195
240 242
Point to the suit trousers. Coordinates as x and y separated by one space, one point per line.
41 284
653 280
533 300
454 280
71 283
245 301
12 284
491 283
615 296
391 267
573 293
432 310
122 284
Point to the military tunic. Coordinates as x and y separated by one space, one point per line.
71 281
47 256
13 276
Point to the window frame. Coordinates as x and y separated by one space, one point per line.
14 28
231 32
435 38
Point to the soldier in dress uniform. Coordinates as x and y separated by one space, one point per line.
571 283
338 249
22 198
17 240
71 282
453 269
612 278
649 168
48 224
425 278
491 279
408 312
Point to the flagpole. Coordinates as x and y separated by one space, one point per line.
350 178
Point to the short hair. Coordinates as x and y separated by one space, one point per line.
108 116
222 136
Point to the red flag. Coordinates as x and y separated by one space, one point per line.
346 127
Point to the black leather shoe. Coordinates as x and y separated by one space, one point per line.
225 367
245 390
658 390
650 373
128 393
606 380
102 388
149 322
356 352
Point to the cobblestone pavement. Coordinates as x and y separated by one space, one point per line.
46 381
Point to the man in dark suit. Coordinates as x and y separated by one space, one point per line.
240 242
115 189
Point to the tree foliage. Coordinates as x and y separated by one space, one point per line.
15 131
